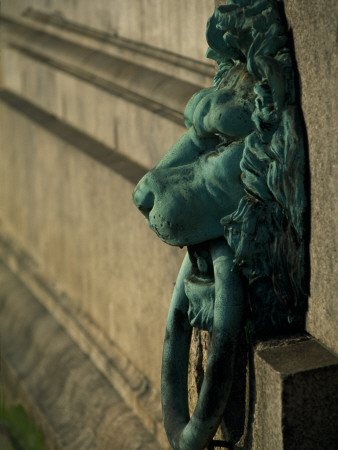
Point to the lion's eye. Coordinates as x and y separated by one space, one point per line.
224 141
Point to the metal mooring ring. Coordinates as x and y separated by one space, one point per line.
195 433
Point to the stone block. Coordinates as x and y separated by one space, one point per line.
296 396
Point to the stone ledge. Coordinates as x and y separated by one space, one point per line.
167 62
153 90
296 396
73 404
119 163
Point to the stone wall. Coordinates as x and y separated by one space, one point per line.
314 29
92 96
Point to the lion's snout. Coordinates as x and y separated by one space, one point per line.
143 198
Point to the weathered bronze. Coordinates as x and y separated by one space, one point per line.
232 191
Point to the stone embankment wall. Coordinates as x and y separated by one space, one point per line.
92 96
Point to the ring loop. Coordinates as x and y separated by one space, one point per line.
195 433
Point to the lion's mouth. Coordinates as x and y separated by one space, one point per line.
200 287
201 261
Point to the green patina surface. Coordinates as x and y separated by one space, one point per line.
232 191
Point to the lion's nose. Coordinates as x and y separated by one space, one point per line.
143 199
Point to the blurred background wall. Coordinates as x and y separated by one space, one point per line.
93 95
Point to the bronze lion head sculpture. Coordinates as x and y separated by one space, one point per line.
232 191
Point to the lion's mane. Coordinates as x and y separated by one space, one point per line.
266 231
